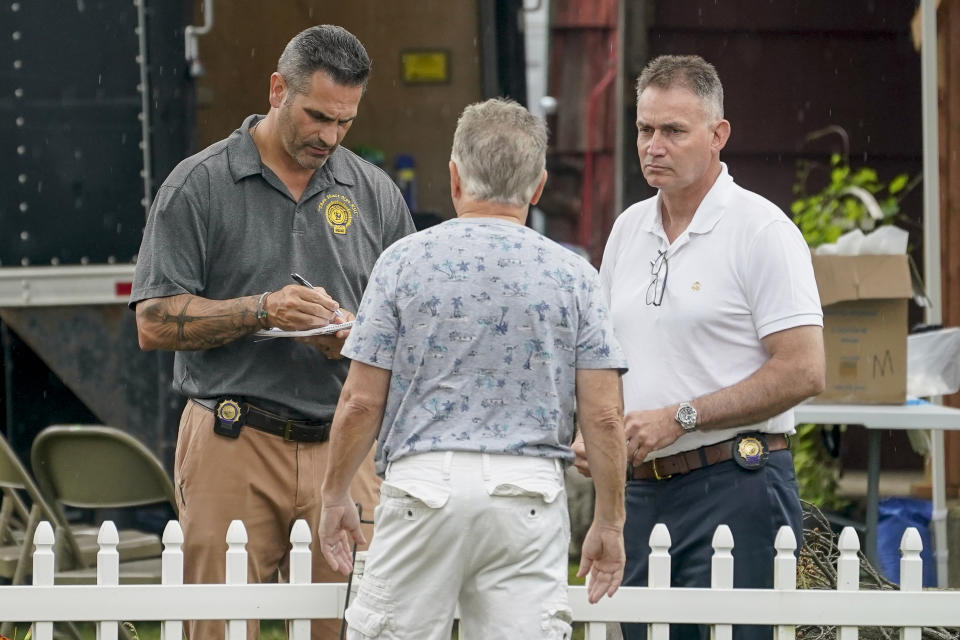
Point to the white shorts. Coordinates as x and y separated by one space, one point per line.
487 532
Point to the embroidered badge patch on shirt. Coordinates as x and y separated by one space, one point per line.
339 211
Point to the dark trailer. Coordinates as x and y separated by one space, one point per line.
93 103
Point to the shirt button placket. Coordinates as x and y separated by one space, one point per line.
298 222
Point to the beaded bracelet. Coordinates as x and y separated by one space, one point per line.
261 311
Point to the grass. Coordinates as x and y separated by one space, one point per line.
572 574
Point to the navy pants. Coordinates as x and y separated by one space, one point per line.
754 504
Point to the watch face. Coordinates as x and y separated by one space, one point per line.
687 416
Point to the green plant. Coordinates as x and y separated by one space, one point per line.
852 198
817 472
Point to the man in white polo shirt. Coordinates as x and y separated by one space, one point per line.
713 299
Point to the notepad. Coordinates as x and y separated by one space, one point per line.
319 331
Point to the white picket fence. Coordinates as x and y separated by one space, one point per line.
785 606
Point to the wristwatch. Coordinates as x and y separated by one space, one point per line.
687 417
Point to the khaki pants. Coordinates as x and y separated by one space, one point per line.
268 484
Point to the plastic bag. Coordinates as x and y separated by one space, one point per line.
894 516
933 363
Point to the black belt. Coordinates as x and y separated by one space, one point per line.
230 415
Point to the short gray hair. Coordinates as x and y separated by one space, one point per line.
327 48
500 150
690 72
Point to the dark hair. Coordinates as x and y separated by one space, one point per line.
690 72
327 48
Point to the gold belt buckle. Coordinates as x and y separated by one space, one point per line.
656 473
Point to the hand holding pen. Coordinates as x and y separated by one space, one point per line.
300 306
299 279
328 345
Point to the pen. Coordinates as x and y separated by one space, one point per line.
299 279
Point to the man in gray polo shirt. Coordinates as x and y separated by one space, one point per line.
476 343
226 230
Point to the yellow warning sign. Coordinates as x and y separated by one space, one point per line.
419 67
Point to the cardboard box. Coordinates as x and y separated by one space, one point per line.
864 301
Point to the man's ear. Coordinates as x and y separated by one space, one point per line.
721 133
456 189
539 191
278 90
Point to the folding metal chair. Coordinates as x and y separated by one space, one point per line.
22 507
99 467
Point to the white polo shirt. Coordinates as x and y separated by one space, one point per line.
738 273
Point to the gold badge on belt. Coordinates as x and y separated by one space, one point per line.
229 416
228 410
751 451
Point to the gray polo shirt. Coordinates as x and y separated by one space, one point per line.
223 226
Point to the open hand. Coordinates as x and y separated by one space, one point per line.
339 529
602 557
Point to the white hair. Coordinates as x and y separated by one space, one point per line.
500 151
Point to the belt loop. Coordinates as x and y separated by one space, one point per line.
287 429
485 466
703 457
447 464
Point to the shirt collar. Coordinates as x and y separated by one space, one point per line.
338 166
242 153
244 158
708 213
713 205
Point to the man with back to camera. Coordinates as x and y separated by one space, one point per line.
473 342
226 230
713 298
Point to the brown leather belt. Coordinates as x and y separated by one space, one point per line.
687 461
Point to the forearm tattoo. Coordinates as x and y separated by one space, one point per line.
187 322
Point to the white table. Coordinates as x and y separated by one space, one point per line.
909 416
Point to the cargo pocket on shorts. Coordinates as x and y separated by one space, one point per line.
556 623
369 615
364 622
